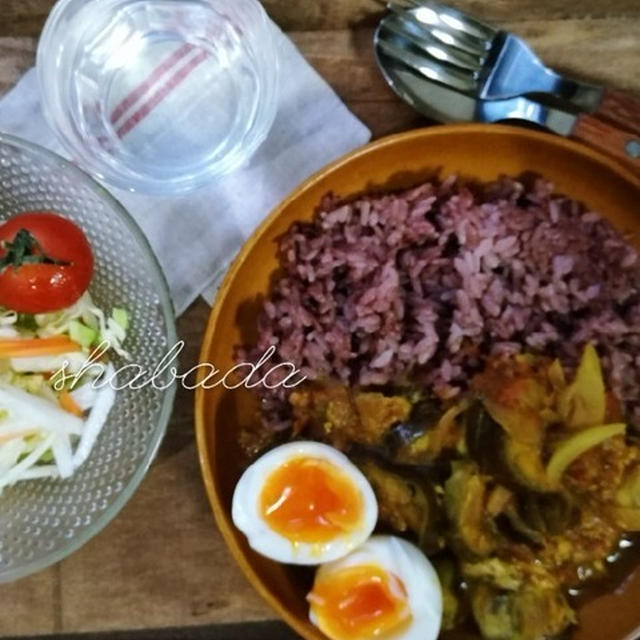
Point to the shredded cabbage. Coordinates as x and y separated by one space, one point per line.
85 315
8 318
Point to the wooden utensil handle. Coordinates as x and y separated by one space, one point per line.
622 145
621 108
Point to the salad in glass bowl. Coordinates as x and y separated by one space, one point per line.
68 284
55 345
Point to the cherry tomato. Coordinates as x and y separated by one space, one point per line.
46 262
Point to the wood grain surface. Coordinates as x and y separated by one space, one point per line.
25 17
161 563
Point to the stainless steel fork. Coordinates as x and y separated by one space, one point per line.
465 53
443 82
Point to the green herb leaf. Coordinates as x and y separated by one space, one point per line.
25 249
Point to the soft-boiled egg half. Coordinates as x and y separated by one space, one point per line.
304 503
386 588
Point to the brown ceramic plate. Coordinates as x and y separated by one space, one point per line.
481 152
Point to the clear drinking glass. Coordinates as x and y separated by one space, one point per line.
159 96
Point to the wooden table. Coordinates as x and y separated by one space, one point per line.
161 565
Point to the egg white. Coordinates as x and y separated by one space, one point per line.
409 564
247 517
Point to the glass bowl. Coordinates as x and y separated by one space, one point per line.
42 521
159 96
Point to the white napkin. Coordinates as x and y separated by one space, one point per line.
195 236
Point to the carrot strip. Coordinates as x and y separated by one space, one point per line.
69 404
27 347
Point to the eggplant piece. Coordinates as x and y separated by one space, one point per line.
427 472
535 515
549 513
541 613
502 506
514 526
531 613
424 415
450 583
405 505
519 466
512 462
428 434
485 438
493 612
409 441
465 501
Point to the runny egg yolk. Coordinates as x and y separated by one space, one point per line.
360 603
310 500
